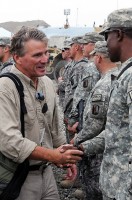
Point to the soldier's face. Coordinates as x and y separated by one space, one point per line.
113 45
1 53
87 48
73 51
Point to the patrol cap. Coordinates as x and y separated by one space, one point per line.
5 41
104 28
121 18
100 47
91 37
75 40
66 44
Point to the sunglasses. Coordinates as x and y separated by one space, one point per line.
107 32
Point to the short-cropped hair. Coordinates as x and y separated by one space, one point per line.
22 36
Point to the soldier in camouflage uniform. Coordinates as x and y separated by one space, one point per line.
77 67
62 79
73 71
5 55
95 115
88 78
116 139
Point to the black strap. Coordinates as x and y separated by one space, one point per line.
20 90
128 66
11 192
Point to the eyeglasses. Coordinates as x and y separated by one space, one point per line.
123 30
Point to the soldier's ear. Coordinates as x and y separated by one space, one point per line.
99 58
120 35
6 48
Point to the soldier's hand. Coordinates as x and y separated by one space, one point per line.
72 141
60 79
65 147
71 172
73 129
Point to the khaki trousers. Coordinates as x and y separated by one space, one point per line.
39 186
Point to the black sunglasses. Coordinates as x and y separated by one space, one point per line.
123 30
107 32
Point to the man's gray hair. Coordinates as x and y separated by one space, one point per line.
23 35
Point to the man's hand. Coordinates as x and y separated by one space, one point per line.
62 149
60 79
73 129
62 155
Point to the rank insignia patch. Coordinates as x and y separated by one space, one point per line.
97 97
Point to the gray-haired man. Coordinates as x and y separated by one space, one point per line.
42 123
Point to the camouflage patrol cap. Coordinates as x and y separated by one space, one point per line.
104 28
100 47
75 40
5 41
66 44
92 37
121 18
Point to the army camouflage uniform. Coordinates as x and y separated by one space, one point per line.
63 84
86 83
117 163
76 72
116 169
6 67
94 122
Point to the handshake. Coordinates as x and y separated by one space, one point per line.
68 154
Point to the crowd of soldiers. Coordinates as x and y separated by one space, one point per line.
96 96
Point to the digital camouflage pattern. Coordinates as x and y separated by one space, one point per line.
90 170
93 124
63 84
4 41
100 47
76 72
75 40
96 107
116 170
121 18
86 82
6 66
116 167
91 37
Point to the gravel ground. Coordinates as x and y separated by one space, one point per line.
58 172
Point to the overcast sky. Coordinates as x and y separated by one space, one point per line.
82 12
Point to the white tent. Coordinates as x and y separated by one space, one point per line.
5 33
